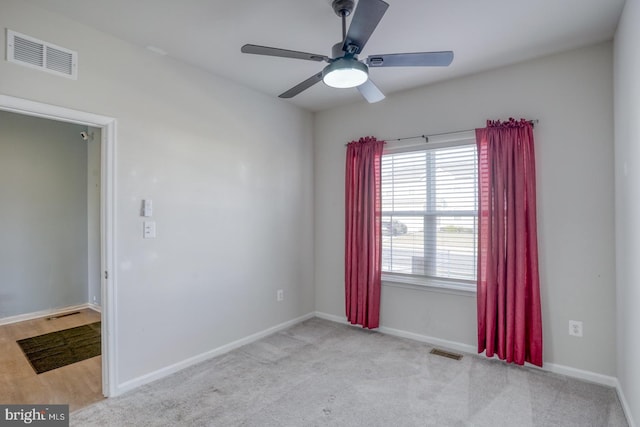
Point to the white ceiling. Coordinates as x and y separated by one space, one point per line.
483 34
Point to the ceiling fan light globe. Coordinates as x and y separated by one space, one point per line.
345 73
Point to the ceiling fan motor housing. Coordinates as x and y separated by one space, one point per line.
343 7
336 50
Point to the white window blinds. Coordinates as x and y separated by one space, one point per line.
429 213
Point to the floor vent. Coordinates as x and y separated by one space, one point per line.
34 53
448 354
63 315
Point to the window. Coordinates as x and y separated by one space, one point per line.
429 215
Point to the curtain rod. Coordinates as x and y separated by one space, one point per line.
426 137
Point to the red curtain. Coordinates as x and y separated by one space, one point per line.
363 236
509 313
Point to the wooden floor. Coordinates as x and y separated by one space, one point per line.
78 384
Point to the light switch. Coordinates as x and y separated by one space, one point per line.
147 208
149 230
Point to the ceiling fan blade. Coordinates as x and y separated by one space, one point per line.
302 86
283 53
365 20
370 92
418 59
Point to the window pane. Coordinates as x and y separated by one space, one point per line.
404 182
430 246
402 243
429 204
456 245
455 176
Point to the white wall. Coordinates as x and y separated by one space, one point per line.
627 194
572 95
229 171
43 215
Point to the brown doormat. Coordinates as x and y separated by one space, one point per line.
61 348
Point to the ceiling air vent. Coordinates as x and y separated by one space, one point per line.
34 53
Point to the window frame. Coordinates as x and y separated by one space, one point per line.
420 282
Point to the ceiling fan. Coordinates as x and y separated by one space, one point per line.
345 70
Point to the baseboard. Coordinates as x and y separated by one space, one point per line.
166 371
95 307
438 342
451 345
466 348
333 318
625 405
579 374
43 313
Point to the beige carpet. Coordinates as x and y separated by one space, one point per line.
320 373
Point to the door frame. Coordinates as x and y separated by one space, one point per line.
107 217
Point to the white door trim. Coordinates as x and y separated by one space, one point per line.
107 222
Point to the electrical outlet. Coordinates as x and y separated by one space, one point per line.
280 295
575 328
149 229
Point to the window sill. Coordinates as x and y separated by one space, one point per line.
427 284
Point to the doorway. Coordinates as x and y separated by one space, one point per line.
107 127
